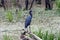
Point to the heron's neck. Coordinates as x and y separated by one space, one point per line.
31 15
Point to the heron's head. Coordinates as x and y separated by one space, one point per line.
30 12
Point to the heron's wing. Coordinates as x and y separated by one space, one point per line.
27 21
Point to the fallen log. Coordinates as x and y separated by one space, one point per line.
33 37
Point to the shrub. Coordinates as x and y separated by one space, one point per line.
9 16
58 3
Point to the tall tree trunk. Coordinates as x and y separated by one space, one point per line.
31 4
26 4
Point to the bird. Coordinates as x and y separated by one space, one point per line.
28 21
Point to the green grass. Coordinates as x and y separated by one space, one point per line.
6 37
18 15
58 36
51 36
58 3
45 36
39 33
9 16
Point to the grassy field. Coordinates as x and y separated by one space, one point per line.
45 20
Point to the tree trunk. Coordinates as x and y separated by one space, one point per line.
31 4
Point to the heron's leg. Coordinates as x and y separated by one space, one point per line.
29 29
26 29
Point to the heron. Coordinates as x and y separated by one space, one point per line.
28 21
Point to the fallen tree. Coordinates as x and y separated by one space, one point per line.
33 37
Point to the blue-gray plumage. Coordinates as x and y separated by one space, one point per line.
28 19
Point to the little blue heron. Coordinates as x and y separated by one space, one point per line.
28 21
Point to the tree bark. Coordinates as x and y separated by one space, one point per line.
31 4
